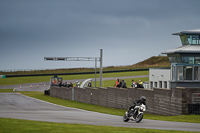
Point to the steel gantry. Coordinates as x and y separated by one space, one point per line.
81 59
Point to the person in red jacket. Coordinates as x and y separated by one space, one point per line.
117 82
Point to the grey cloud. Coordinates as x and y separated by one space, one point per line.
94 24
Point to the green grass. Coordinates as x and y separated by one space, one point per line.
6 90
36 79
8 125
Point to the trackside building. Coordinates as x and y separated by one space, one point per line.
173 91
185 64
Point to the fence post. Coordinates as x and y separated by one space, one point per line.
72 94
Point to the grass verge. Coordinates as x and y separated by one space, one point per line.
8 125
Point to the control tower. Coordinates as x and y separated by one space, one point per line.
185 60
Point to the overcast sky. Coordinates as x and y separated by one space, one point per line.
128 31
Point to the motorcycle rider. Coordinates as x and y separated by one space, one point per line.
138 103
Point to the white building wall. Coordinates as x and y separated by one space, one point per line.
159 78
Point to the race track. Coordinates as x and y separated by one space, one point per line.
14 105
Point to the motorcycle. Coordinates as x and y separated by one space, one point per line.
135 114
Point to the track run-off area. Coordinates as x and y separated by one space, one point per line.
15 105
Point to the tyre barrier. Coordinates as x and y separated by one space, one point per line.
46 92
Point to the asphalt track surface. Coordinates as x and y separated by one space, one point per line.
14 105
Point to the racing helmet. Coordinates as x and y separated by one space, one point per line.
143 98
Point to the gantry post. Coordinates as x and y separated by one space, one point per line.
101 59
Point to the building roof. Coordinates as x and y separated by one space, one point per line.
184 49
186 32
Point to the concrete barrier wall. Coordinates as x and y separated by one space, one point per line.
162 101
159 101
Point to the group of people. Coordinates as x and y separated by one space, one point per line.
67 85
137 85
122 84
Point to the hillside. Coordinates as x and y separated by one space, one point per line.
154 61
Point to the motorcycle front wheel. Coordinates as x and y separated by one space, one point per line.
125 118
139 118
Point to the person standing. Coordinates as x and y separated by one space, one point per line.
123 84
70 85
117 82
89 84
140 84
133 84
120 83
77 84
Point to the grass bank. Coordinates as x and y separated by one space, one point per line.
8 125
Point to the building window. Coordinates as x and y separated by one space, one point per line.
180 72
188 60
196 72
151 85
193 39
187 72
155 84
160 84
174 58
197 60
173 73
184 39
165 84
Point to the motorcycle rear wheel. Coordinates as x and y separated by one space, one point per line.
125 118
139 118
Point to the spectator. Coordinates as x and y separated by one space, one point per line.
77 84
117 82
123 84
65 84
60 83
54 81
89 84
140 84
133 84
70 85
136 84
